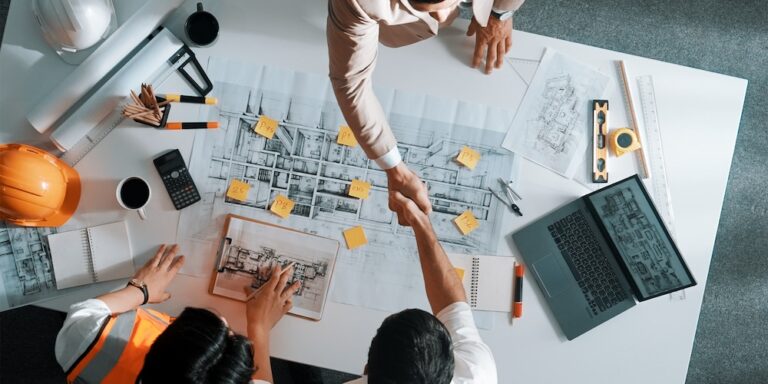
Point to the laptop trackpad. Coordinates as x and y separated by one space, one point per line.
551 275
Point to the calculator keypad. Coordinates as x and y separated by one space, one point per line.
181 188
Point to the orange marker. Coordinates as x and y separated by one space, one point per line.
200 125
517 306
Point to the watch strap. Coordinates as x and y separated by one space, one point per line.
142 287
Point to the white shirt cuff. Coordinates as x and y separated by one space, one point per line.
390 159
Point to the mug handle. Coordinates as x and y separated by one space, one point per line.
142 214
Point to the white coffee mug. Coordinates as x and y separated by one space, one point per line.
134 193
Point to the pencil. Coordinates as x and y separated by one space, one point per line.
173 97
291 264
195 125
628 93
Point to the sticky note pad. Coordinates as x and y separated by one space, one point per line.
266 127
460 272
355 237
346 137
238 190
359 189
282 206
468 157
466 222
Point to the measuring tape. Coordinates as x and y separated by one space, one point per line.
623 140
655 150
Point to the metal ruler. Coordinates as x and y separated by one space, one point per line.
94 137
655 150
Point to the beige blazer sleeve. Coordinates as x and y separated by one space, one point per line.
482 8
353 45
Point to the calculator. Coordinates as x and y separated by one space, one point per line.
178 182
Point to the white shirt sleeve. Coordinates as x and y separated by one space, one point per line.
80 329
473 358
254 381
390 159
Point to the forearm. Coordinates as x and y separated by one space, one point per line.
123 300
352 50
440 279
261 363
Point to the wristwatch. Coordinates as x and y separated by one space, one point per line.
140 285
502 15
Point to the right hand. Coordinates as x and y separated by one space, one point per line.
402 181
271 301
159 271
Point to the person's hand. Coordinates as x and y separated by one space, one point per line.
408 212
270 302
158 272
495 39
402 180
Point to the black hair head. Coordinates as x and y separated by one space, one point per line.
411 347
198 347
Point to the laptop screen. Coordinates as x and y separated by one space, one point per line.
631 221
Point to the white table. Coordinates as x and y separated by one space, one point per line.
652 342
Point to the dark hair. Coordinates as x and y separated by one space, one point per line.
198 347
411 347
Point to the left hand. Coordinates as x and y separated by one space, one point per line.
158 272
495 39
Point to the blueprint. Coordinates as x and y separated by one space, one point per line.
552 125
26 271
304 162
250 250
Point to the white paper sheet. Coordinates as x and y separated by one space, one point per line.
552 124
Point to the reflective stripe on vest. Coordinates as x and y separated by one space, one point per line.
117 355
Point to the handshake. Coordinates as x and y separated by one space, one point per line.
408 197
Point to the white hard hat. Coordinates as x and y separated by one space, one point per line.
71 26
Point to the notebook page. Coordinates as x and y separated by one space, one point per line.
69 254
111 250
464 263
495 283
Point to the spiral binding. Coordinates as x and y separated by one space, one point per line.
474 281
87 243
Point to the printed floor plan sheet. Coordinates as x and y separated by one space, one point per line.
304 162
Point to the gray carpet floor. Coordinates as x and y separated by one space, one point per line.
729 37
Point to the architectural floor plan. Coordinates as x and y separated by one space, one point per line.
26 271
552 127
304 163
250 250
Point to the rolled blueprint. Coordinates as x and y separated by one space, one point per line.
57 102
110 94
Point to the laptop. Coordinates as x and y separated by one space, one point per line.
595 255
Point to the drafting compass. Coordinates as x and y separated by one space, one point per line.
510 194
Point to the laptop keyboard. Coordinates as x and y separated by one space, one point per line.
587 262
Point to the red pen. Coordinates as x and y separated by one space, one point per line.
517 306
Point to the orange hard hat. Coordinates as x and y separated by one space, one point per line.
36 188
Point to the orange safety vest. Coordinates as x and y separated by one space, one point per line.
117 353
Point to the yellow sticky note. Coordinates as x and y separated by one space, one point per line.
468 157
460 272
266 127
355 237
238 190
466 222
346 137
359 189
282 206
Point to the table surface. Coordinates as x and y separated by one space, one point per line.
699 113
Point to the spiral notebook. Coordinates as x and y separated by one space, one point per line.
91 255
488 280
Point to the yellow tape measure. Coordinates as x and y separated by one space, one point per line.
623 140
